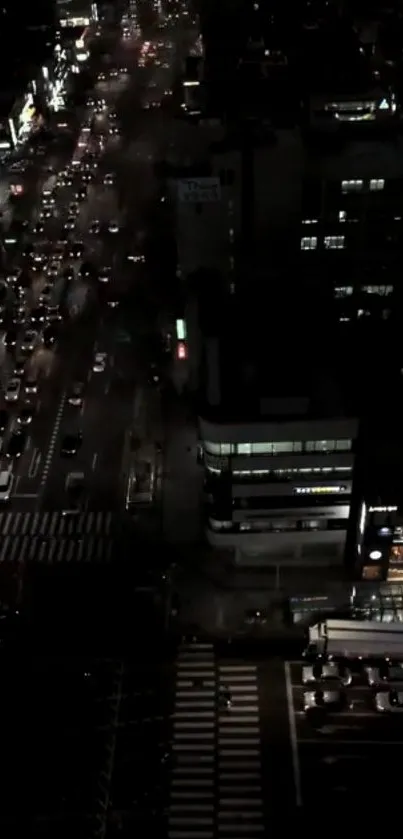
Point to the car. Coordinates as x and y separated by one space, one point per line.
46 213
6 485
81 194
29 340
113 226
385 672
4 420
95 227
19 314
31 384
37 316
28 249
87 177
16 443
330 670
19 366
50 336
334 700
114 131
11 337
12 391
53 314
70 223
25 415
389 702
104 275
45 295
71 444
76 250
99 362
86 270
109 179
12 277
75 396
53 269
75 489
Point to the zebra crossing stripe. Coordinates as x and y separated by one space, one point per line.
55 524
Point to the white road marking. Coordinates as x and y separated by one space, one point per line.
94 460
34 464
293 736
52 444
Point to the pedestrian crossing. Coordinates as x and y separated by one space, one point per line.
55 524
216 779
20 549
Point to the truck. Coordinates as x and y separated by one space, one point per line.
355 639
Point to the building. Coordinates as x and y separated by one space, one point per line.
76 14
278 432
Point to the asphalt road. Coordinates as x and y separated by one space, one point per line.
122 333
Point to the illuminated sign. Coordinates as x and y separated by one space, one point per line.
363 517
75 21
375 555
181 330
383 509
319 490
182 351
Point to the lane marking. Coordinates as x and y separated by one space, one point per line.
34 464
52 443
352 743
293 736
94 460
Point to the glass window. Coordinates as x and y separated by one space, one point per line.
376 184
226 448
320 445
343 445
309 243
283 448
212 448
351 186
262 448
334 242
244 448
343 291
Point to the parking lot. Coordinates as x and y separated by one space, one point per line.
342 755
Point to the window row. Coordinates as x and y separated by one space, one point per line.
279 526
310 243
380 290
358 185
295 447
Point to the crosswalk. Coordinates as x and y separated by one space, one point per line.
20 549
55 524
216 780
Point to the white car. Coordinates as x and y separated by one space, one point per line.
113 227
99 362
6 485
324 699
29 340
391 702
12 391
330 670
108 180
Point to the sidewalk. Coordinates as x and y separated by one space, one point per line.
183 477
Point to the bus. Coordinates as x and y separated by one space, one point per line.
82 146
140 490
356 640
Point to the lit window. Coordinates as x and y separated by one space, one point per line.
376 184
334 242
343 291
283 448
262 448
244 448
351 186
309 243
382 290
342 215
309 221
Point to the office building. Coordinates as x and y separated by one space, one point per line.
278 430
